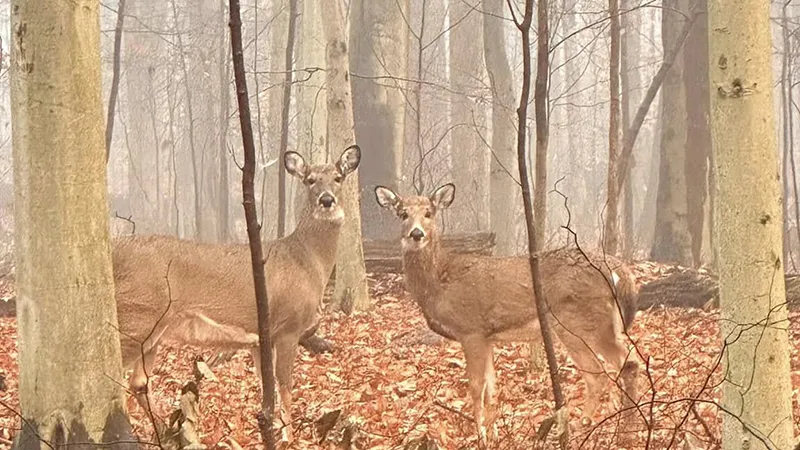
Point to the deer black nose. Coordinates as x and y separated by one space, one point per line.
326 200
417 234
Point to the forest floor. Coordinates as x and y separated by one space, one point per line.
398 389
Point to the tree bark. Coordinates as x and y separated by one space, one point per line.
698 135
611 229
671 241
503 189
253 229
351 278
69 352
285 109
469 155
630 81
757 388
540 105
378 58
115 75
224 212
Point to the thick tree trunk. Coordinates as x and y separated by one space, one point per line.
351 278
672 242
469 154
698 135
69 353
378 50
312 112
757 387
504 191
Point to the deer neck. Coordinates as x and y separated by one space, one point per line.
319 237
422 268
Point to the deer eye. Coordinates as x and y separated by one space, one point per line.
428 214
403 215
310 181
338 179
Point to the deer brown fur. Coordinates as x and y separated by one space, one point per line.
186 292
481 300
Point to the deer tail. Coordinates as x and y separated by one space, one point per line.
627 294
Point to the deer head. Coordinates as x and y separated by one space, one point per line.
417 213
324 181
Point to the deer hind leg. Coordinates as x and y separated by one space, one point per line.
139 380
476 352
583 354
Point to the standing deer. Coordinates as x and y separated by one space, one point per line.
482 300
179 291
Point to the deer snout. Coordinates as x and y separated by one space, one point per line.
326 200
417 234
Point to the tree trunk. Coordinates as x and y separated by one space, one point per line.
253 230
630 80
504 192
224 212
69 353
698 135
312 113
286 103
611 229
469 154
378 58
757 387
351 277
672 242
115 75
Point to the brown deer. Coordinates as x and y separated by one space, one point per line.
482 300
180 291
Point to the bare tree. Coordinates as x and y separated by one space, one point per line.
756 391
285 109
253 230
351 278
379 36
611 229
672 242
65 291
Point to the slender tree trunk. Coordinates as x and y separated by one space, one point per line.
540 105
378 58
757 387
469 154
698 134
351 278
672 242
223 229
253 229
630 81
115 75
611 229
69 352
285 109
503 185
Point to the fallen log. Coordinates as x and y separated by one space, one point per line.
684 287
385 256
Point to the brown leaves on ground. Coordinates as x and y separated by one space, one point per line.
398 390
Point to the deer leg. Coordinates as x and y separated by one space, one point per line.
475 353
285 352
489 398
591 369
142 370
315 344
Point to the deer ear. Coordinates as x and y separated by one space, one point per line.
295 164
443 196
349 159
386 197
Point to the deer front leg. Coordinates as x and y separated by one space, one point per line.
476 353
315 344
285 352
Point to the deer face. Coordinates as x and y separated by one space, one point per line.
323 182
417 213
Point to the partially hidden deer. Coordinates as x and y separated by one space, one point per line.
481 301
186 292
